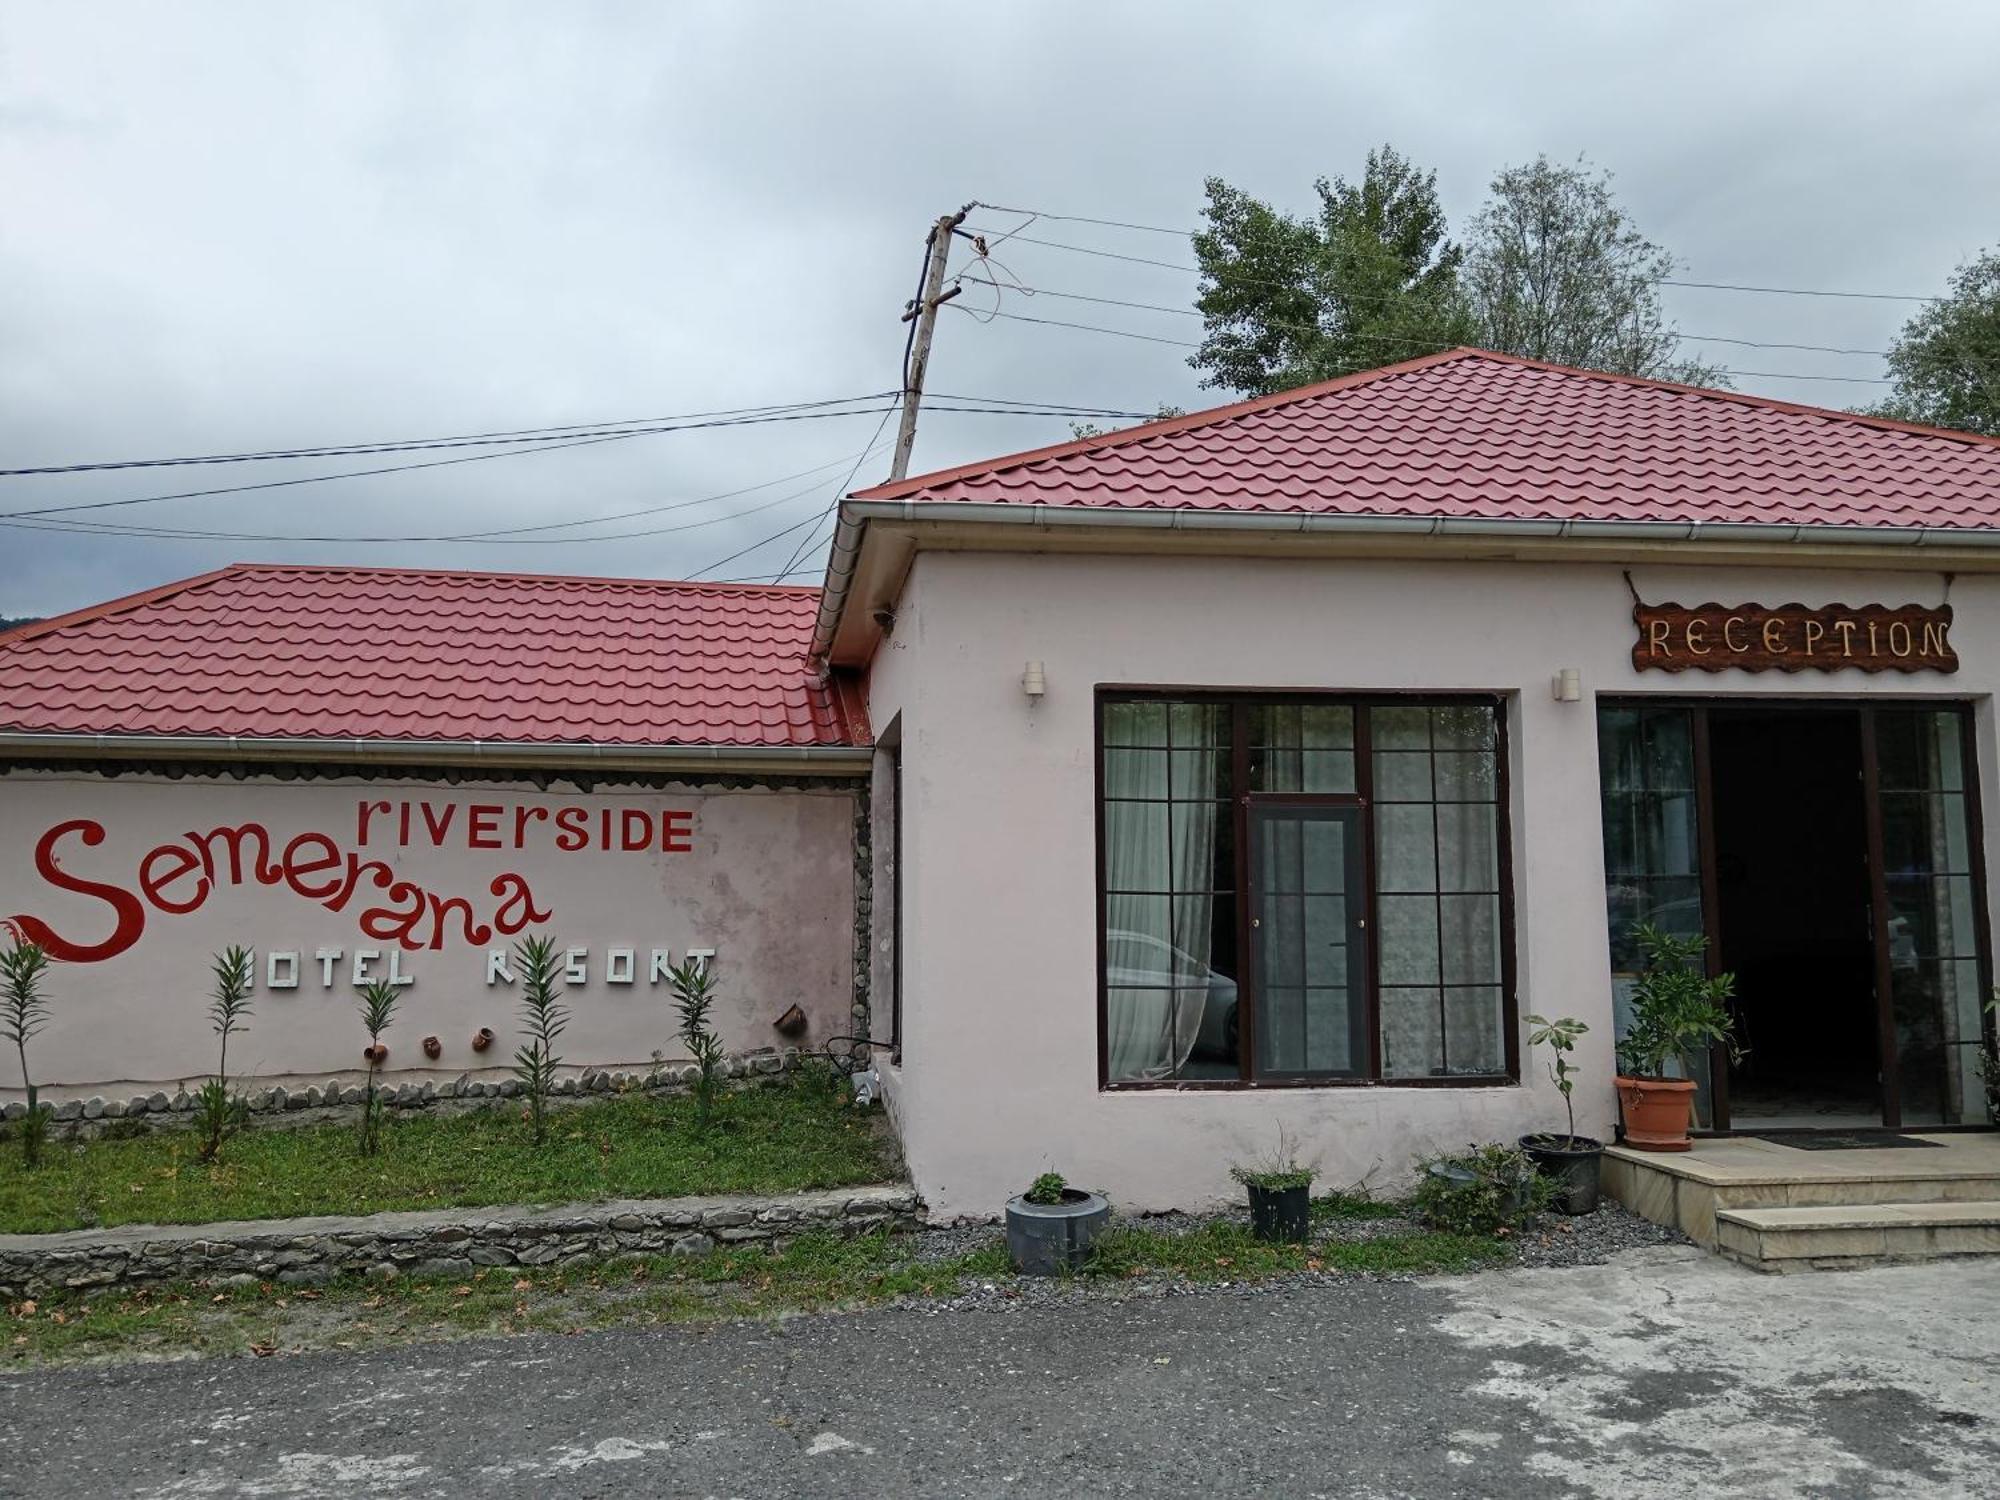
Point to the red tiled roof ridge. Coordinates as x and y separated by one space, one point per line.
159 593
277 651
1216 416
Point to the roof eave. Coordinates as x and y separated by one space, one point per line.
513 754
855 515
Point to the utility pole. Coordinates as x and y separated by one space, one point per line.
937 250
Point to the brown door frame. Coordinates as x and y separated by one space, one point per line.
1864 710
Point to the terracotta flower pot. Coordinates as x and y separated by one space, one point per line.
482 1039
433 1048
376 1054
1657 1112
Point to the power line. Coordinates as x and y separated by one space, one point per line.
798 552
436 463
1190 312
412 445
1409 345
36 513
812 520
1716 286
629 426
188 534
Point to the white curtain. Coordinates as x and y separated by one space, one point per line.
1155 1005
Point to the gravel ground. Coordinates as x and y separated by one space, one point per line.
1549 1240
1558 1240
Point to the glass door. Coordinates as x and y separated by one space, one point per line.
1309 938
1929 918
1919 980
1654 854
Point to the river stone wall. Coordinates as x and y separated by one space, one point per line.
436 1242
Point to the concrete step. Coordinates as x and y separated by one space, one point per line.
1841 1236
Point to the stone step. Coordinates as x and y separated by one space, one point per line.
1861 1189
1838 1236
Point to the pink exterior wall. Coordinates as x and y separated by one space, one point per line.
764 878
999 1074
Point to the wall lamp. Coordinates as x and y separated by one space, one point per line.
1567 685
1034 682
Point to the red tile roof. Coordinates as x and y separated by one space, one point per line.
1474 435
408 654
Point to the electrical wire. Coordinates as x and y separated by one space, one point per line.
28 518
798 553
1190 312
436 463
1716 286
1432 348
417 445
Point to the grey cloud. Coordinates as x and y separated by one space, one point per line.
243 226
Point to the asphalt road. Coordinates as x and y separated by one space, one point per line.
1664 1373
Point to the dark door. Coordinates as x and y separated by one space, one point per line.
1795 917
1309 938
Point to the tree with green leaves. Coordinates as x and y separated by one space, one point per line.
24 1010
1946 361
1082 430
543 1018
1368 280
219 1111
378 1008
1555 270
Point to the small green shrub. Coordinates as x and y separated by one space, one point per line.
1485 1190
219 1111
1274 1179
24 1010
693 984
1047 1188
821 1077
378 1008
1279 1171
543 1017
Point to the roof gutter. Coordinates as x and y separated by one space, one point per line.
554 754
855 514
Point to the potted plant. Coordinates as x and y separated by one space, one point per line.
1676 1010
1051 1227
1280 1188
1570 1161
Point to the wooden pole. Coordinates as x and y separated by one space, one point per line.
924 310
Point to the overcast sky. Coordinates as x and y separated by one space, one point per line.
235 227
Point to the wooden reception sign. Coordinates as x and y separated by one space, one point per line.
1793 638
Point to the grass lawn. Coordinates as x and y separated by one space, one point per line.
813 1273
769 1139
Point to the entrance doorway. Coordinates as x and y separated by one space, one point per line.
1793 919
1829 853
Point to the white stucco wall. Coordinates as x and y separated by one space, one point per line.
763 877
999 1075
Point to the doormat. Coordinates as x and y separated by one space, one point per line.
1870 1141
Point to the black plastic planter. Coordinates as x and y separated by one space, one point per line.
1572 1163
1045 1239
1280 1213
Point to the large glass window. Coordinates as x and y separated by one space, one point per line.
1361 934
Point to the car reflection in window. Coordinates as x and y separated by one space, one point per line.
1138 960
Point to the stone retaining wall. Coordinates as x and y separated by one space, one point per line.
436 1242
